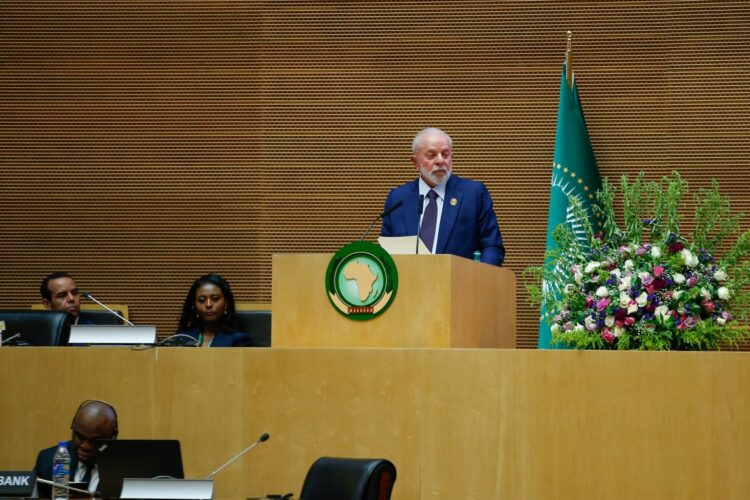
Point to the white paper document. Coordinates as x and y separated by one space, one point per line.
402 245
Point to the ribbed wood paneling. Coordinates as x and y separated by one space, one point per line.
145 143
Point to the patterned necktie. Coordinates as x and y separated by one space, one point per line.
429 221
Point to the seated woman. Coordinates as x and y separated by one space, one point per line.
208 314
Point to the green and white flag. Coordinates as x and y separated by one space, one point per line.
574 173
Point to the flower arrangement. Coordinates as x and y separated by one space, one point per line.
645 286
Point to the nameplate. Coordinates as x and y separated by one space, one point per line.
17 483
167 488
112 334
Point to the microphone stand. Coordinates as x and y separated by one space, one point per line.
262 438
419 222
92 494
91 297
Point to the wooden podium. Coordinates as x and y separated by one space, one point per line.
442 301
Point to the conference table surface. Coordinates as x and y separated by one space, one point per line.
457 423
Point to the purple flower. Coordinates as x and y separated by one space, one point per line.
690 322
692 281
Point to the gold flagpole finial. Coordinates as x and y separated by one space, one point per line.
569 60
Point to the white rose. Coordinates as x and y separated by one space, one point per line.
602 292
690 259
720 275
642 299
609 321
677 294
578 277
661 312
554 329
723 293
625 283
624 299
619 331
578 328
616 273
628 264
706 294
721 320
678 278
591 266
643 275
655 252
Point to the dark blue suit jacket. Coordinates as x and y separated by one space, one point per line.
224 339
468 221
43 467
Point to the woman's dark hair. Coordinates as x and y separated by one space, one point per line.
190 319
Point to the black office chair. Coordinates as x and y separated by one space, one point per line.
258 325
37 328
349 479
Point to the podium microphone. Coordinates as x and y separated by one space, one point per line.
419 224
263 437
385 213
91 297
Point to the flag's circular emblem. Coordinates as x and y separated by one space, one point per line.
361 280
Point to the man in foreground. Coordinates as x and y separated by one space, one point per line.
94 420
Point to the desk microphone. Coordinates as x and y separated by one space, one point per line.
263 437
7 341
91 297
92 494
179 339
419 223
385 213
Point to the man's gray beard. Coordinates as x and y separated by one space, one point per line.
438 182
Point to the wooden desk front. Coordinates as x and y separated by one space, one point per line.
475 423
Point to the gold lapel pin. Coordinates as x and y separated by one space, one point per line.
454 202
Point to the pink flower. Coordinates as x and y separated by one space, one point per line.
690 322
607 336
708 306
602 304
658 271
692 281
589 301
630 321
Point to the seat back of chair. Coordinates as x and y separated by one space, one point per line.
332 478
37 328
255 322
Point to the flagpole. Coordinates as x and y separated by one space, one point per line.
569 60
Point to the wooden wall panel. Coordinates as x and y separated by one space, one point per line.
145 143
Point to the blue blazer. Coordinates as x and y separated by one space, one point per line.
43 467
468 221
224 339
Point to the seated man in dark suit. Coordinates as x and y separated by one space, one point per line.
93 420
458 217
60 293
